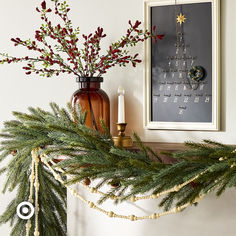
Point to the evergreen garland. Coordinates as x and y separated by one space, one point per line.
92 155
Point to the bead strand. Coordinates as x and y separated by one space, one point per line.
131 217
32 177
36 186
135 198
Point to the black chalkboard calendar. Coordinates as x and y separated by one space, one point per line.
182 73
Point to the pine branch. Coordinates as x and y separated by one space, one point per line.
93 155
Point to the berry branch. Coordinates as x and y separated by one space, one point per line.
60 52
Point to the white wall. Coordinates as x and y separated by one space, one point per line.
18 91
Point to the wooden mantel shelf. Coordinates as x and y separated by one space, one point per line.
166 146
159 147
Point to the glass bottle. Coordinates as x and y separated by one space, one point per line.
93 100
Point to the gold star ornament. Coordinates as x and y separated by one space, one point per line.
181 19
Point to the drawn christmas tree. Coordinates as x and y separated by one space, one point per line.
182 65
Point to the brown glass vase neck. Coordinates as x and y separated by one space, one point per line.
89 82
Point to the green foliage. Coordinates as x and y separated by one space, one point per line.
23 135
91 154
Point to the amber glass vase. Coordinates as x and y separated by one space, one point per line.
93 100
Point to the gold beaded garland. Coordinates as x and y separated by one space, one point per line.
111 214
155 216
132 198
34 183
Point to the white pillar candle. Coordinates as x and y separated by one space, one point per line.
121 105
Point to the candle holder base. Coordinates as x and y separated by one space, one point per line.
122 140
125 141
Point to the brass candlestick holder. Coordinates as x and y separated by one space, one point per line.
122 140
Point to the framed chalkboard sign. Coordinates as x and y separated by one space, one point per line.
182 70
